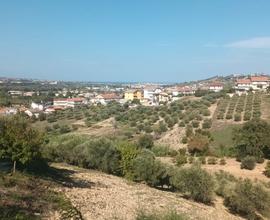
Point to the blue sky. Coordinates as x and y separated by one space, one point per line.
142 40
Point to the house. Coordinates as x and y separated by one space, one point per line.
133 94
243 84
68 102
28 94
259 82
15 93
215 86
252 83
37 106
105 98
186 90
161 97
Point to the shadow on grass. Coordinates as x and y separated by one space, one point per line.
63 177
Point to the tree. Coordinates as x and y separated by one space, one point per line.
19 142
195 182
146 141
253 139
248 199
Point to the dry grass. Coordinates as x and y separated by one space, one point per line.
111 197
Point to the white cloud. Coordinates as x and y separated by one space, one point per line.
256 43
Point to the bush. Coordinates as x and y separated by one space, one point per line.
181 124
207 123
184 140
267 169
162 151
190 160
237 117
180 159
248 200
128 153
248 163
222 161
195 182
172 215
212 160
146 141
225 183
145 168
202 160
195 124
65 129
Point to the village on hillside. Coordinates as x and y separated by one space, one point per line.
147 94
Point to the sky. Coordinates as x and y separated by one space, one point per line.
133 41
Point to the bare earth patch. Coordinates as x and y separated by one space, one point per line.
111 197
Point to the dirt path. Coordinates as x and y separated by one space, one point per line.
109 197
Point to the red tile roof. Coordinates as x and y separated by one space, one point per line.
243 81
110 96
259 78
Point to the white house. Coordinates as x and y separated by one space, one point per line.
37 106
254 83
215 86
259 82
68 103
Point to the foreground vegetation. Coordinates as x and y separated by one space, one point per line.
136 158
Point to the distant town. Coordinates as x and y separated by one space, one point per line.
35 97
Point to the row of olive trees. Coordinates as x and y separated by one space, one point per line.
134 161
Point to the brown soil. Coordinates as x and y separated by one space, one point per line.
111 197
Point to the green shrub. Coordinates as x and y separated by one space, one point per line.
184 140
222 161
237 117
181 124
267 169
207 123
128 153
195 124
145 168
146 141
228 116
182 151
225 183
162 151
248 163
65 129
202 160
171 215
195 182
56 126
212 160
248 200
190 160
180 159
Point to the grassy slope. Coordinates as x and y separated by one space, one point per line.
25 196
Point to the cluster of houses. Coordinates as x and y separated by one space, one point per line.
146 94
252 83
